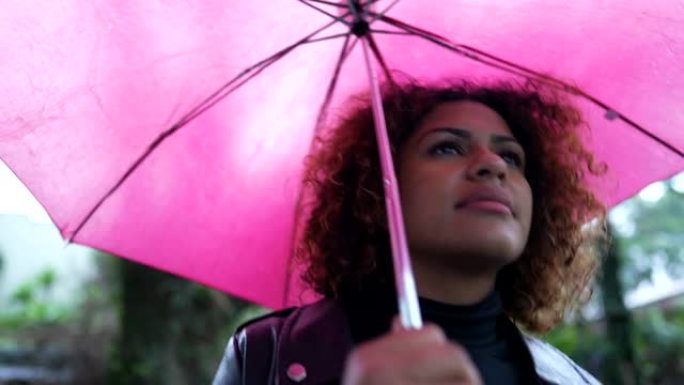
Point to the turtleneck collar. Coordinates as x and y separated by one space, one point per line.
482 328
476 326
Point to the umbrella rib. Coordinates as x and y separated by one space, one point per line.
324 38
226 89
236 82
163 136
209 102
472 53
456 49
339 5
507 66
336 18
373 45
630 122
344 52
378 56
378 15
388 32
354 12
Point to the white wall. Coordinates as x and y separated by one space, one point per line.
30 243
29 247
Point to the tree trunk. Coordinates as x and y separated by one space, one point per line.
620 364
172 331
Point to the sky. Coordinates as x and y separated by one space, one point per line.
16 199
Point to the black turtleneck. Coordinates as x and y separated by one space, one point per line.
491 339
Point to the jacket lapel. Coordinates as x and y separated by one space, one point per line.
318 338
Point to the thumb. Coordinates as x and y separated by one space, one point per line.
396 324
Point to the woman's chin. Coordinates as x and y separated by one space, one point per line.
478 244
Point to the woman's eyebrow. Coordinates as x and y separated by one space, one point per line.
460 132
503 139
465 134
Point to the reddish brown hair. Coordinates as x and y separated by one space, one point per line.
345 241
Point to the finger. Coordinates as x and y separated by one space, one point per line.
388 357
398 347
450 382
430 366
396 324
402 339
449 362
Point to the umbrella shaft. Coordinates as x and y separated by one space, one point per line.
407 295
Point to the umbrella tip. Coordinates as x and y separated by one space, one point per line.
68 236
67 242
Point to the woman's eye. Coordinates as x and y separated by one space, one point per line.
512 158
447 148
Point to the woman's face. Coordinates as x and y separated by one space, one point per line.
466 201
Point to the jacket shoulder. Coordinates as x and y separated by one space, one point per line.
252 363
265 321
554 366
262 349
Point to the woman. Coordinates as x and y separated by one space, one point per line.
492 184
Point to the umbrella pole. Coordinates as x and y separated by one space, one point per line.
407 295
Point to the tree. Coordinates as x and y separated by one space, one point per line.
620 365
172 331
647 345
656 231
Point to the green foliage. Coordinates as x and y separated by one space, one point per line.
32 304
658 232
172 331
579 341
645 344
620 362
660 342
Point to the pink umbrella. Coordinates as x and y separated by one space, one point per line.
89 87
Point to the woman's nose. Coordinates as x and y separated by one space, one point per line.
486 164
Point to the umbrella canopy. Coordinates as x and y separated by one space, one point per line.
88 87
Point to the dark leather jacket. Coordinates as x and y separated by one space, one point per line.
309 345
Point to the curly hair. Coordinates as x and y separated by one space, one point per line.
345 240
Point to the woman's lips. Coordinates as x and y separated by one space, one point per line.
485 205
487 199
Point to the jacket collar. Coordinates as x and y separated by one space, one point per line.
555 367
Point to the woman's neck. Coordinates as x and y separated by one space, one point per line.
453 286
